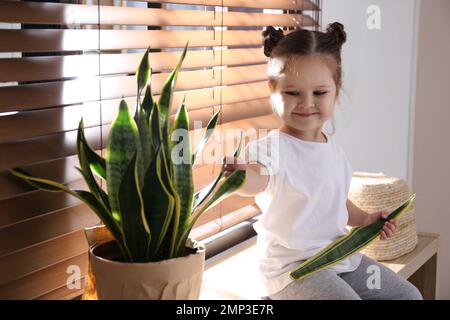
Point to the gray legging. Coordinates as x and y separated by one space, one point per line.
356 285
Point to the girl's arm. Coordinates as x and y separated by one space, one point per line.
356 216
255 182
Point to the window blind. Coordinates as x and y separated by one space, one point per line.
63 60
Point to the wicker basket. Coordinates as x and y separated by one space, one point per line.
374 192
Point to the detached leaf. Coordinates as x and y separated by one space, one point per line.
347 245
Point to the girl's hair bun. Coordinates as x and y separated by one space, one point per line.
271 38
336 29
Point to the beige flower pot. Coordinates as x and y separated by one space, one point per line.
172 279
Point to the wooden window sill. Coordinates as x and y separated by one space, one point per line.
233 275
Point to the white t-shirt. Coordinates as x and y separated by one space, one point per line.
303 206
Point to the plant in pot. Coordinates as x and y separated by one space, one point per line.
149 206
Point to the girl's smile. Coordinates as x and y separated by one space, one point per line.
305 115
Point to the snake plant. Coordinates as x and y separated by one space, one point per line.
347 245
150 206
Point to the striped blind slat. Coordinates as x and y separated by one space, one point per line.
52 13
49 68
63 60
28 97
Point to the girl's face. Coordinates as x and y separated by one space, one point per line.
305 95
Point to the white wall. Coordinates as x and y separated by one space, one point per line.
396 117
431 143
372 119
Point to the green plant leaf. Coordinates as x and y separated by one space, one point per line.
227 186
155 128
204 193
96 163
143 73
165 104
147 150
85 196
182 177
141 116
347 245
95 189
237 152
86 165
148 102
132 213
206 135
39 183
158 205
122 143
107 219
165 98
171 237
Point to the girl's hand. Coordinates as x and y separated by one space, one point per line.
389 226
231 164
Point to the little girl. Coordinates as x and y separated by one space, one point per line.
300 178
